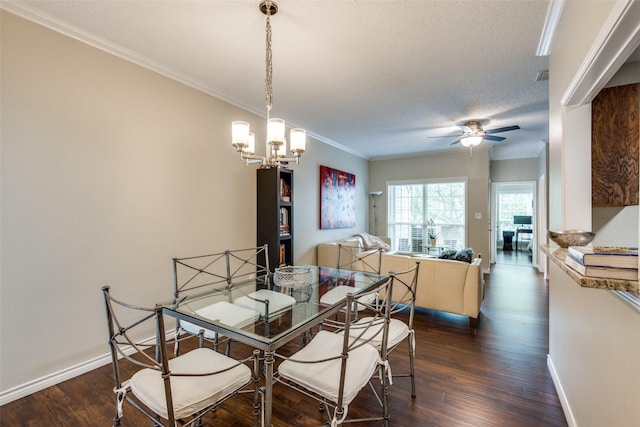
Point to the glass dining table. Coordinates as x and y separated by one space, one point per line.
266 316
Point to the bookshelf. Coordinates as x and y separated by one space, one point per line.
275 214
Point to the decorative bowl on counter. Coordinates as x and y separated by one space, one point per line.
567 238
292 276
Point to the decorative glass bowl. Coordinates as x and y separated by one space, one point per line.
292 276
567 238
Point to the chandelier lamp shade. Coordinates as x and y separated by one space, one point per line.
276 142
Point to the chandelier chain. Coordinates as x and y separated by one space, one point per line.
268 85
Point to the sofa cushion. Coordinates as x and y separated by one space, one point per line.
465 255
447 254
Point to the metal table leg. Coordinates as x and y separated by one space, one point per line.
268 387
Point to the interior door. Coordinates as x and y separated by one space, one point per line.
501 218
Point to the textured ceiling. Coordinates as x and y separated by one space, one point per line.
378 78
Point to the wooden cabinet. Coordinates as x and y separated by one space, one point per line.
275 214
615 133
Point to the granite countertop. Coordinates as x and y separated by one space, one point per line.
558 256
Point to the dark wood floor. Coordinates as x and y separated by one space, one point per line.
522 258
495 376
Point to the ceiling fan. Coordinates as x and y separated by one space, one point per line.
473 134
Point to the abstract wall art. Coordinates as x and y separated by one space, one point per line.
337 198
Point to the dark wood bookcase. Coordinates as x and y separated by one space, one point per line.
275 214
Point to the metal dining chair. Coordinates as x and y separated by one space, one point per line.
253 262
356 258
218 271
405 284
204 273
174 391
333 368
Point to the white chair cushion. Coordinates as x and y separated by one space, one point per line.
277 301
340 293
398 330
224 312
323 378
190 394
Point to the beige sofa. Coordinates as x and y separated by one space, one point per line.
445 285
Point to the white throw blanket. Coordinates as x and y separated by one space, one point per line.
372 242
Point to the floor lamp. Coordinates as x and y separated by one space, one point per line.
375 195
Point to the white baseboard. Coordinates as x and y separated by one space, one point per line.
38 384
568 414
18 392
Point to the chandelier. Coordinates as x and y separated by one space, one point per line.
276 144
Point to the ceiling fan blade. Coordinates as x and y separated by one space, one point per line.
445 136
494 138
455 142
504 129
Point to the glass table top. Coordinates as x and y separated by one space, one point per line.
265 315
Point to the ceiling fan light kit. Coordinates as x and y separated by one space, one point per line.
473 134
471 140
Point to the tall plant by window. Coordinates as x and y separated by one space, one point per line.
420 209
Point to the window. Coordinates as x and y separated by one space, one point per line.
420 209
511 204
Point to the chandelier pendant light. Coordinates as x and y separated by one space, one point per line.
276 143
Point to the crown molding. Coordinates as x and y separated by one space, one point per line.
32 14
550 28
461 149
616 41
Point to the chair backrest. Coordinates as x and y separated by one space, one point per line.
379 309
129 327
361 333
220 269
405 285
200 271
355 257
248 263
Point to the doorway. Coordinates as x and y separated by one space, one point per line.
513 231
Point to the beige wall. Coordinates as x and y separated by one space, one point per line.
594 348
593 337
580 24
108 171
307 208
514 170
445 165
